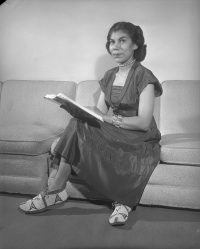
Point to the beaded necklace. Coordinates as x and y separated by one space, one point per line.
127 63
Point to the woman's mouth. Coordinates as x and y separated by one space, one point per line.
117 55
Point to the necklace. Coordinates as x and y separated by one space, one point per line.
127 63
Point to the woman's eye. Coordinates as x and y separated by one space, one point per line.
122 40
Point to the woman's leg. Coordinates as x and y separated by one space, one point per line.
57 180
55 195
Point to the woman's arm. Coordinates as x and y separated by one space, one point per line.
145 112
101 107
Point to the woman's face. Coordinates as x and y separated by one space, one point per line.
121 46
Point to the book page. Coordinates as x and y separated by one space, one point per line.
62 99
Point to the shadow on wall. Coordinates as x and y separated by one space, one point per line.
103 63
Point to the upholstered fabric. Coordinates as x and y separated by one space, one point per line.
23 174
0 90
181 149
87 92
174 182
179 107
28 126
23 102
180 122
27 139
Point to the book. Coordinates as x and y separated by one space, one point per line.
72 107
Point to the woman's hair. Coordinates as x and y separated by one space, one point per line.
136 35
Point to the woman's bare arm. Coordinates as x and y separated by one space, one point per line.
101 107
145 112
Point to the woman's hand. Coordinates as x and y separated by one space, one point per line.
108 118
116 120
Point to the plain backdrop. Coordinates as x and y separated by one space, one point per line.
65 39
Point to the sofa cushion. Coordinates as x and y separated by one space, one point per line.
28 122
181 148
27 139
23 102
179 107
87 92
0 89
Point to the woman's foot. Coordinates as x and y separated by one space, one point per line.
54 195
44 201
120 214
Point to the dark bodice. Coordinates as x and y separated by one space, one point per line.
125 100
125 109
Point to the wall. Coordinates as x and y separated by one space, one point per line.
65 39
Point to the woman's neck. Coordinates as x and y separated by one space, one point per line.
129 62
124 67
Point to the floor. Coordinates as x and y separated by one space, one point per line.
81 224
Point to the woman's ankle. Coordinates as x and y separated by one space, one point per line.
54 185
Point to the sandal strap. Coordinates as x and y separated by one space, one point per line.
43 201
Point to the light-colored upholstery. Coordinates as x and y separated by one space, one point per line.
28 126
175 181
179 107
180 122
0 90
181 148
87 92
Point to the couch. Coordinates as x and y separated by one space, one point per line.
31 125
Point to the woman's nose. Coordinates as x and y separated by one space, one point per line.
116 45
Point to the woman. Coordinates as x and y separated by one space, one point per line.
117 157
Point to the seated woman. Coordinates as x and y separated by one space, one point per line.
117 157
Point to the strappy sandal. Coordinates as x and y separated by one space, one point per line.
119 215
44 201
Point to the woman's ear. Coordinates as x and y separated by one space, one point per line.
135 46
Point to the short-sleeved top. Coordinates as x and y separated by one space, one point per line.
138 78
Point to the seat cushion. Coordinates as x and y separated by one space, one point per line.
181 148
27 139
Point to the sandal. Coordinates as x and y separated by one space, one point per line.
119 215
44 201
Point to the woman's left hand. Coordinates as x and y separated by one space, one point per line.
108 118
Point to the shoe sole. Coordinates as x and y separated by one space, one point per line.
117 223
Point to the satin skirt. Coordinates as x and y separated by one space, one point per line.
115 162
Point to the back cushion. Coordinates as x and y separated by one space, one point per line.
88 92
23 102
179 107
1 84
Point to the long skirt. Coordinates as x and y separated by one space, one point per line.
115 162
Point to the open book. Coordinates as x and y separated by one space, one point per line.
75 109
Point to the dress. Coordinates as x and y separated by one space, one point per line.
115 162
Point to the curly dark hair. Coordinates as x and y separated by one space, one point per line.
136 35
